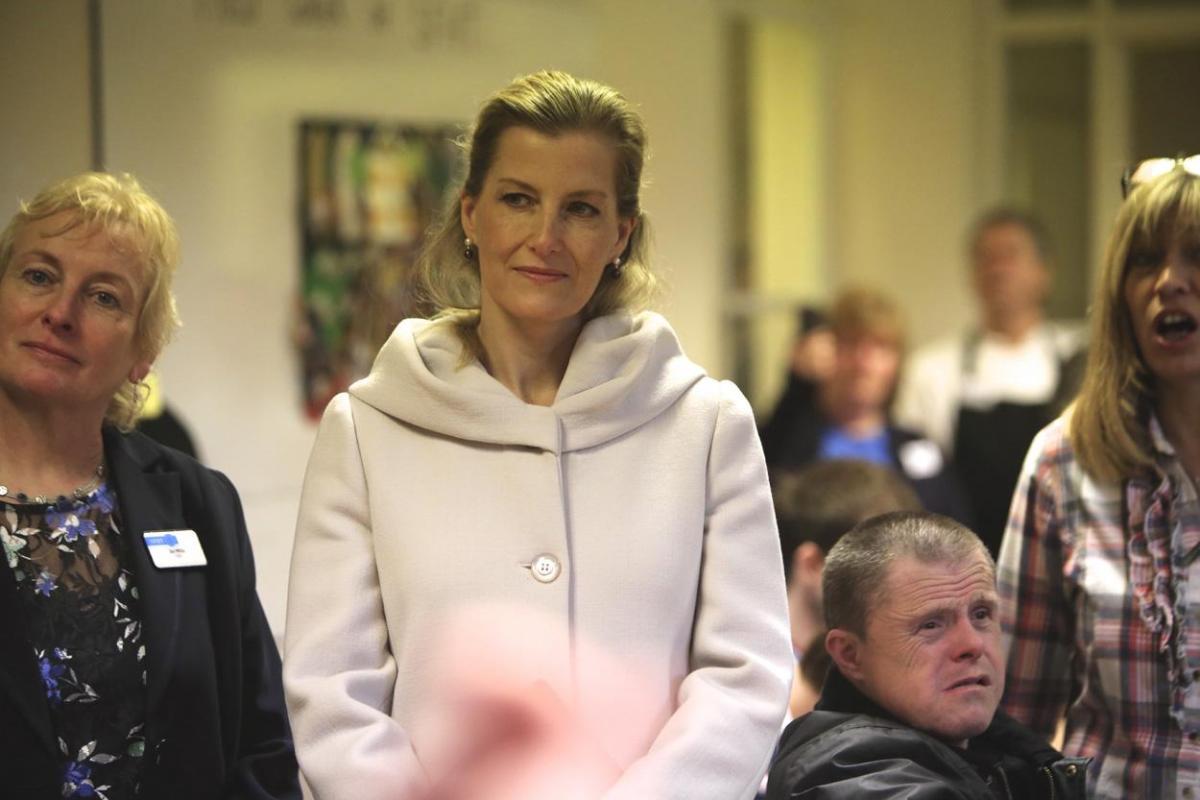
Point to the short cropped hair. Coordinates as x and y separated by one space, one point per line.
551 103
821 501
119 207
856 569
1005 215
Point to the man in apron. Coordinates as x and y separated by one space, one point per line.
984 396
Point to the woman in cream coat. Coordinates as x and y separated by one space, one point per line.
538 489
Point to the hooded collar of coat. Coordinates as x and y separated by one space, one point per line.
625 370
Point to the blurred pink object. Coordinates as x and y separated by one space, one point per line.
523 745
507 726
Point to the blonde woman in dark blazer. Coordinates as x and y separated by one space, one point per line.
134 656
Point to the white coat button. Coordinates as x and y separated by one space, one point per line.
545 568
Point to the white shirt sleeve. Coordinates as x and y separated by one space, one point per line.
927 401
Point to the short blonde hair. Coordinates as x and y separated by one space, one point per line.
1108 425
551 103
117 206
859 312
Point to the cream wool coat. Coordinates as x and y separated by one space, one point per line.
430 492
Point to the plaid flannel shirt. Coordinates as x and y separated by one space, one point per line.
1100 620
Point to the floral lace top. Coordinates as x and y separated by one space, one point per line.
83 617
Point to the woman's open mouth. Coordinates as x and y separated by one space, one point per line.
1174 326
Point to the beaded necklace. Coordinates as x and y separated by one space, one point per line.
79 493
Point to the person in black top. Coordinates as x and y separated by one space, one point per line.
909 708
845 412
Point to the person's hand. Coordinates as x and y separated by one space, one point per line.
812 354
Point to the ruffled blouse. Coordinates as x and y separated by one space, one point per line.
1164 540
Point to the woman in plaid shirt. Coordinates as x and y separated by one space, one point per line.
1100 605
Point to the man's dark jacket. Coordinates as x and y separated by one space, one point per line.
849 748
216 726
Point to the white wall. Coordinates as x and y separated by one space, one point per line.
866 126
789 209
669 57
904 137
44 93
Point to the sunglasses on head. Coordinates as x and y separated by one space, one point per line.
1151 168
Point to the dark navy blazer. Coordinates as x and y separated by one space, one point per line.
216 725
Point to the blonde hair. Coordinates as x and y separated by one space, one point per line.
1108 425
117 206
861 312
551 103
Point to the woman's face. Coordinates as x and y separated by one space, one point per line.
545 224
69 307
1162 294
864 372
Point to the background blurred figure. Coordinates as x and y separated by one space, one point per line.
815 505
847 414
1098 593
135 659
158 420
811 672
810 362
983 396
812 351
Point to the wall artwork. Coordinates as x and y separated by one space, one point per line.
369 191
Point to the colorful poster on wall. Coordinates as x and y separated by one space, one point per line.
369 191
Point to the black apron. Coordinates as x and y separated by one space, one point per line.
990 444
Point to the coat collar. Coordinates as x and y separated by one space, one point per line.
148 497
624 371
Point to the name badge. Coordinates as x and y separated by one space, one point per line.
174 549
